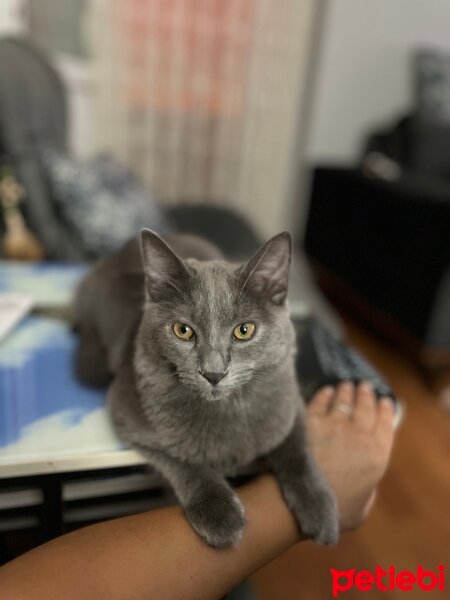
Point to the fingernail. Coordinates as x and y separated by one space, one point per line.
328 390
366 386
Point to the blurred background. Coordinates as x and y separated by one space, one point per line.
205 97
232 119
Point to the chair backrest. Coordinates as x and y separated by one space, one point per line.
33 112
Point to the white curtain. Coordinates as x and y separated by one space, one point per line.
203 99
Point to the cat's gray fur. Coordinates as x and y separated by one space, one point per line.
191 431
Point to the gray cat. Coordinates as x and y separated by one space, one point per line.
202 354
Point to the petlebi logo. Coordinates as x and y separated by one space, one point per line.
388 580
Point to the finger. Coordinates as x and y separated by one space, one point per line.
321 401
343 403
386 415
366 413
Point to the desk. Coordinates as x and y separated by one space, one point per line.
57 447
49 423
54 432
59 457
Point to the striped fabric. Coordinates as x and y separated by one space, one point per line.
203 99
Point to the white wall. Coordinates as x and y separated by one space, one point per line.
12 17
364 77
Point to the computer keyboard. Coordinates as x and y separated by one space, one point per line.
322 360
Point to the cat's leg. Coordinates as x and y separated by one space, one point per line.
208 501
304 488
210 505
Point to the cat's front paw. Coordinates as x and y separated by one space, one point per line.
316 512
217 517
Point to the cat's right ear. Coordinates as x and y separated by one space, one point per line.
267 272
165 272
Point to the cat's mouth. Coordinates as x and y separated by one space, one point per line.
216 394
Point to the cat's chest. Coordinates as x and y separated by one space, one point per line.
226 434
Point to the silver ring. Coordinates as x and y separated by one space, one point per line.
343 408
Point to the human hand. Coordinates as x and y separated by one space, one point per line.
351 434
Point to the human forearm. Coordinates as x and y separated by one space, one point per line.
153 555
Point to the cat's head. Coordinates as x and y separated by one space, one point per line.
214 325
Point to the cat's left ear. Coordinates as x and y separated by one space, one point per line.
267 272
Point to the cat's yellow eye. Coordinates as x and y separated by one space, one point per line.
183 331
244 331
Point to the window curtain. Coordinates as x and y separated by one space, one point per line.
204 99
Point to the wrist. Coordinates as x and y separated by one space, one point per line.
266 508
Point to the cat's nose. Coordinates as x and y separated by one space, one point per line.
213 377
